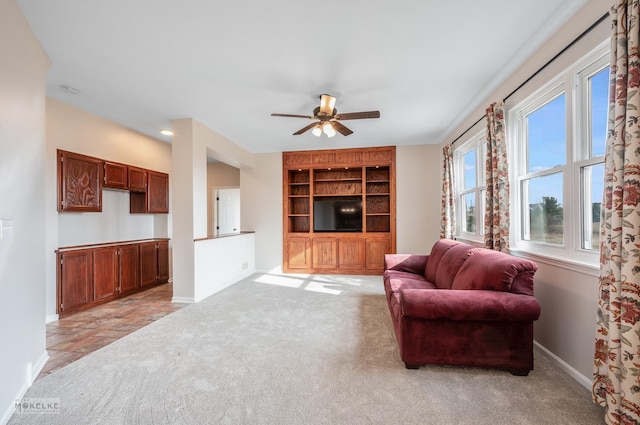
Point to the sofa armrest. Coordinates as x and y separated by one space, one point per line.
445 304
411 263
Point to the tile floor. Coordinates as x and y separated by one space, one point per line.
78 334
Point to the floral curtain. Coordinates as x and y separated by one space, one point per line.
496 210
448 215
616 383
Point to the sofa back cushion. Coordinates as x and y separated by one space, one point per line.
435 257
450 263
492 270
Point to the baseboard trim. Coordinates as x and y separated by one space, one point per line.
582 380
51 318
183 300
31 373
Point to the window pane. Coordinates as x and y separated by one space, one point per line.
546 136
545 209
599 95
470 169
470 212
593 183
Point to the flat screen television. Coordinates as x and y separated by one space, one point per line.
337 214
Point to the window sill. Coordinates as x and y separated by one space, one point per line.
573 265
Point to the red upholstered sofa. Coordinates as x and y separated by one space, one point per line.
462 305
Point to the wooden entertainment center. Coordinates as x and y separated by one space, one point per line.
366 178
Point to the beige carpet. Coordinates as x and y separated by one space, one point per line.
294 350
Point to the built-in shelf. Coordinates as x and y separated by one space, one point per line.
368 174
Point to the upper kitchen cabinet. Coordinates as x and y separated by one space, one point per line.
79 182
115 175
155 199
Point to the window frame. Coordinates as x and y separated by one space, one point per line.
574 82
479 143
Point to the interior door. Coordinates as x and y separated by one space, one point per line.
226 214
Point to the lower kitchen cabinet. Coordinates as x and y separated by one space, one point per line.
90 275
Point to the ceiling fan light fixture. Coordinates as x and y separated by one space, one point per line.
317 130
327 104
328 129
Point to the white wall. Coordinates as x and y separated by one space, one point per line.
568 297
261 208
23 65
193 143
417 198
75 130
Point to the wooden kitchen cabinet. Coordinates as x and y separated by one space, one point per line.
137 178
92 274
105 273
79 182
129 268
75 280
155 199
116 176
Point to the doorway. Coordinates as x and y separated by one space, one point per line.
226 211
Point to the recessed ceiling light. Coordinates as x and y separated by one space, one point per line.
167 132
69 90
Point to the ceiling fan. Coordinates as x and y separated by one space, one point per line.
329 118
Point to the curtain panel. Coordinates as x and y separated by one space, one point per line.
496 210
448 211
616 383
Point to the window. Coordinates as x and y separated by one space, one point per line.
558 139
469 163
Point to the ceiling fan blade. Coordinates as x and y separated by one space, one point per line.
358 115
307 128
292 116
341 128
327 103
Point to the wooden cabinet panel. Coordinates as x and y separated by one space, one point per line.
137 178
325 252
298 253
75 276
351 254
156 197
375 251
148 264
79 182
157 192
105 273
129 268
115 175
163 261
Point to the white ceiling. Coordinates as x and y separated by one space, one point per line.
423 64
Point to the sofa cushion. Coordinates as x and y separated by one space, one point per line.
492 270
396 280
438 250
451 262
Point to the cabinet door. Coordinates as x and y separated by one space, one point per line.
351 253
105 273
325 251
163 261
375 251
129 268
299 253
79 182
148 264
75 273
157 192
137 178
115 175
